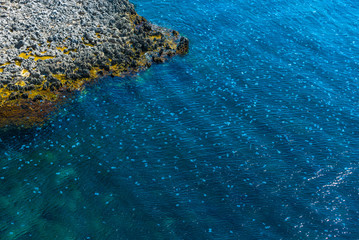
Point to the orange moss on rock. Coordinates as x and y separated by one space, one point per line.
25 113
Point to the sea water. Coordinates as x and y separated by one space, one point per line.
252 135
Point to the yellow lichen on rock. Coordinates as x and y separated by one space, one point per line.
38 86
36 57
21 83
61 48
25 73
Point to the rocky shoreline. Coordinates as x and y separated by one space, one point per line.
50 49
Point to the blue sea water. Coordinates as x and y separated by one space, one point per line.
252 135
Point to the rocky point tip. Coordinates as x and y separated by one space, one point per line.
50 48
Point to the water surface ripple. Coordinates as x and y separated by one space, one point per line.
252 135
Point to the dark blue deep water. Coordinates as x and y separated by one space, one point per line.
253 135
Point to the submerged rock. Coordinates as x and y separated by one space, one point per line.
47 47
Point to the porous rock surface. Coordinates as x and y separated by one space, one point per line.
49 48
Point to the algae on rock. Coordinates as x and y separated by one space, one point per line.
50 48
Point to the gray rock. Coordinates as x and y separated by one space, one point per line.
47 45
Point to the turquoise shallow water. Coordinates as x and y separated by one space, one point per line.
252 135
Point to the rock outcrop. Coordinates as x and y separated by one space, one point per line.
51 48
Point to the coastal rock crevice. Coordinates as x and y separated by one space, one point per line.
50 48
